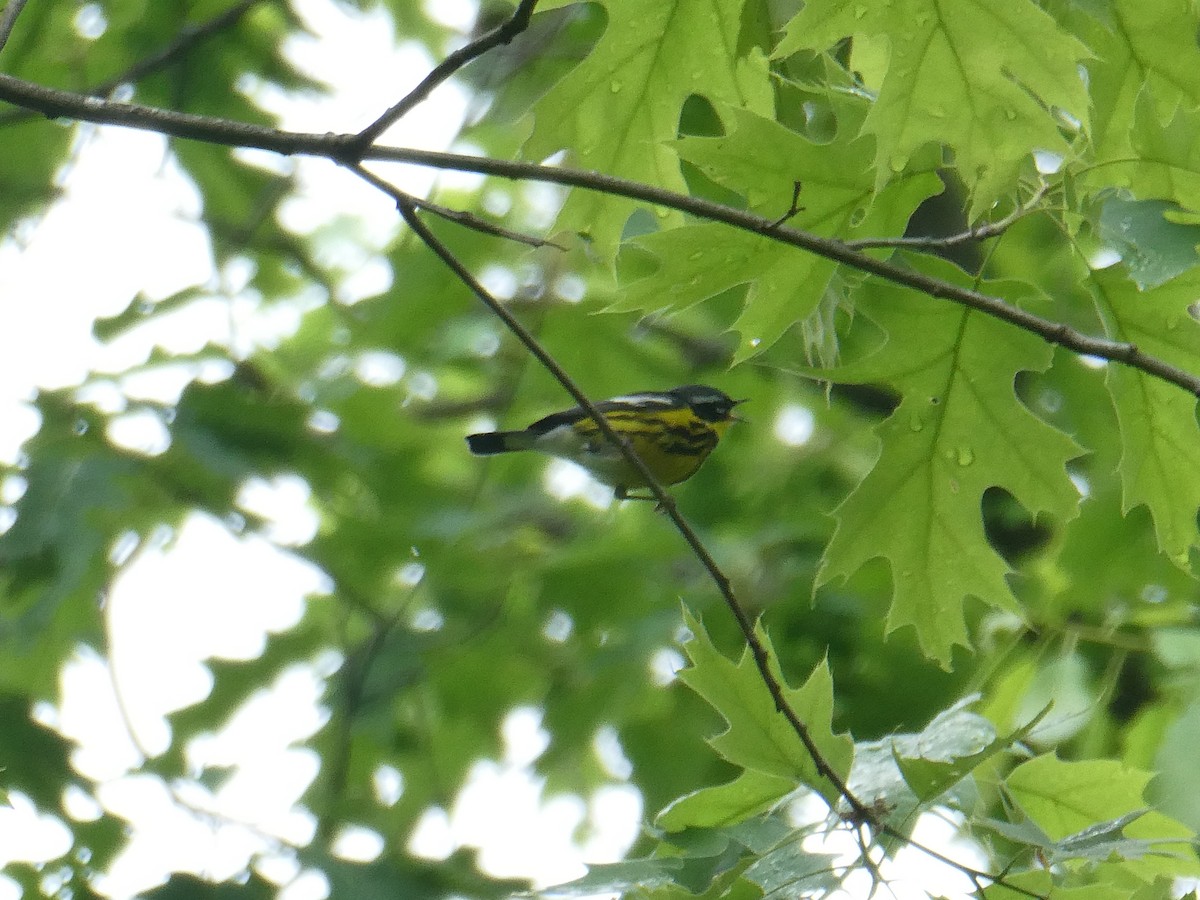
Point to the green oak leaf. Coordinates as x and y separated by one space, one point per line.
958 431
759 737
1167 161
1139 45
1064 798
949 749
762 160
749 794
978 76
791 871
618 108
1160 440
1154 246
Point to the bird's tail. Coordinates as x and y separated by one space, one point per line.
490 443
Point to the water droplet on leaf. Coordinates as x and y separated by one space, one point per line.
1154 593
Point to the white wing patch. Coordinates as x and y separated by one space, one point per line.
647 401
708 398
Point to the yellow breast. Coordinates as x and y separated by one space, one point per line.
673 444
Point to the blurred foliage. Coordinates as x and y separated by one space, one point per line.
972 551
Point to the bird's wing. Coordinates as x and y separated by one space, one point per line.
573 415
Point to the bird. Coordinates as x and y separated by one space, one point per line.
672 432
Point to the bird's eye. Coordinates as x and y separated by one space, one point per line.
711 411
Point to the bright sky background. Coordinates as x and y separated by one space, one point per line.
129 217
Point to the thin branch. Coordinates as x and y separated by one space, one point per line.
187 38
978 233
468 220
408 210
794 209
342 149
501 34
8 19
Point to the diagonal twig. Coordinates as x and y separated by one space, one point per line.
342 149
460 217
475 223
501 34
978 233
187 38
860 812
8 19
408 210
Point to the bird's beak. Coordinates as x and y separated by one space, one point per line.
737 418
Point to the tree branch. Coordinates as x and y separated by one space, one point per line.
982 232
188 37
408 209
343 149
347 150
472 221
501 34
8 19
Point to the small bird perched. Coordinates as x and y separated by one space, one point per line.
671 431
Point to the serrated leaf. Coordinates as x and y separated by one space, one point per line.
1067 797
1154 248
762 833
762 161
692 861
1160 439
976 76
759 737
900 773
959 430
1101 841
1141 46
1165 164
1024 831
621 876
790 870
949 748
616 110
747 795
